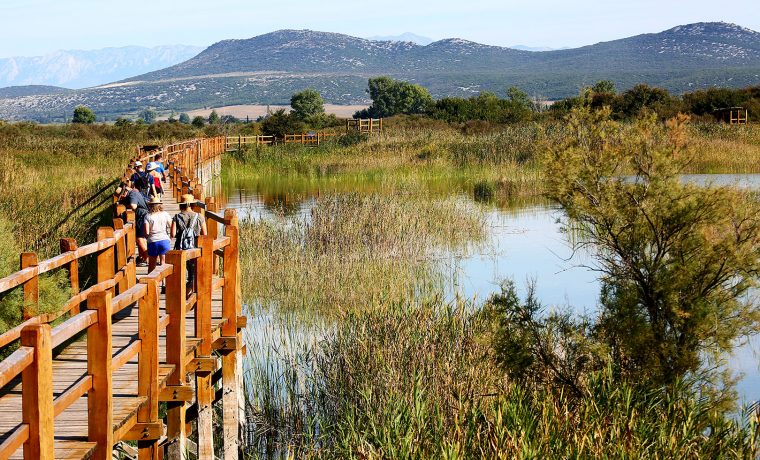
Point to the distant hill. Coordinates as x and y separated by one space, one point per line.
269 68
81 69
31 90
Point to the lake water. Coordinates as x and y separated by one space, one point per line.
524 244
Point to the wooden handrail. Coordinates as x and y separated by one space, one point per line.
14 364
73 326
117 288
20 277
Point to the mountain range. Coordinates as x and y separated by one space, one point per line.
269 68
85 68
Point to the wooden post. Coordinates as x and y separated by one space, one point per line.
70 245
31 287
121 255
37 393
176 298
99 357
131 248
212 226
105 257
231 309
147 380
204 389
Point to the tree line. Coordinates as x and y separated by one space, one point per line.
396 97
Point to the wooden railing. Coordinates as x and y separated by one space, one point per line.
215 268
238 142
365 125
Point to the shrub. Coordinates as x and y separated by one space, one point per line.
83 115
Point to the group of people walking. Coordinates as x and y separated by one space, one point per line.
155 228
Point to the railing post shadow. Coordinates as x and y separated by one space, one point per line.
99 367
37 393
176 306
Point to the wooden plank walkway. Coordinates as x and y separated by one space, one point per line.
70 368
123 386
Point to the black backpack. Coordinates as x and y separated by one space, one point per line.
143 182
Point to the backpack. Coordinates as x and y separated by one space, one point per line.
186 237
143 182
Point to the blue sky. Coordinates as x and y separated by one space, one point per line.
35 27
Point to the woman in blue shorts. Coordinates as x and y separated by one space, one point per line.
157 226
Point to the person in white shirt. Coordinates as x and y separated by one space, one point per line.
157 227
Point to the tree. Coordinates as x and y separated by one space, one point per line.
603 93
83 115
184 118
676 259
632 102
148 116
199 122
391 97
280 123
213 118
123 122
307 104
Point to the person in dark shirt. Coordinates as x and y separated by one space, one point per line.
140 180
135 201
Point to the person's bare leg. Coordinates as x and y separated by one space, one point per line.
151 263
142 248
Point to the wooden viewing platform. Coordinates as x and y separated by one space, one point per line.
94 378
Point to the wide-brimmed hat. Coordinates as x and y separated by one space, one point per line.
138 163
152 166
155 200
188 199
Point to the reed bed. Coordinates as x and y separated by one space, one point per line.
352 250
418 380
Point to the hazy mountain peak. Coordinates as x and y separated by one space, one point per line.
84 68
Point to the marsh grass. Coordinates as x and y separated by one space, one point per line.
417 380
353 251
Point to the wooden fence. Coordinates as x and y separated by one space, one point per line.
164 350
365 125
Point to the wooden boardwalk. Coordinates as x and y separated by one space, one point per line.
134 346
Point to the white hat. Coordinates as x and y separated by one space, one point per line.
138 163
151 166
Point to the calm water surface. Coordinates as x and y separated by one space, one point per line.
524 244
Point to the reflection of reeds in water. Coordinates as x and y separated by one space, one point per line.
280 387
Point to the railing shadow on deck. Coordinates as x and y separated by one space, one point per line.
165 353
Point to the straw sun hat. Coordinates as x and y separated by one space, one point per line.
188 199
155 200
